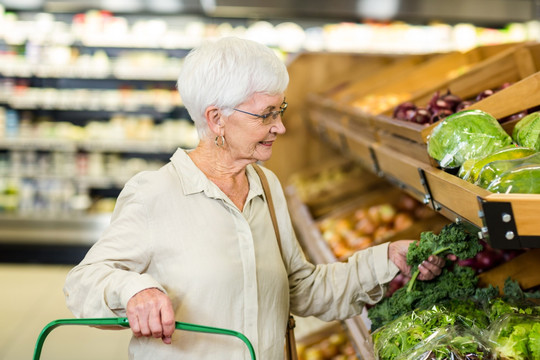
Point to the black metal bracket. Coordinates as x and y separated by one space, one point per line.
428 197
500 228
376 167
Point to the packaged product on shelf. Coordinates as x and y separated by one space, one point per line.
526 132
436 333
516 337
465 135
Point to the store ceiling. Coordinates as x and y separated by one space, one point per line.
476 11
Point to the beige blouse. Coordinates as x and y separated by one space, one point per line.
176 230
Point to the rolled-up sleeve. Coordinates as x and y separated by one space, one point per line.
112 271
331 291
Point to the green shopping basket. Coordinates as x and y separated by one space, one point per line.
122 321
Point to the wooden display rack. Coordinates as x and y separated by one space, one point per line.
332 106
509 65
428 75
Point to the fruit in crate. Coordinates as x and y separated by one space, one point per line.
325 182
376 104
370 225
333 347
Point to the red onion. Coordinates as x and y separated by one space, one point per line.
464 104
451 100
484 94
421 116
441 114
403 111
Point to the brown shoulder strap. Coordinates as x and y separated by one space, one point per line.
268 195
290 343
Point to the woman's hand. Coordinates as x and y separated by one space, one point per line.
150 313
397 252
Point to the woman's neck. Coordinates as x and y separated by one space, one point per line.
229 175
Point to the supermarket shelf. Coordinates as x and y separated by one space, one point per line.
131 146
52 229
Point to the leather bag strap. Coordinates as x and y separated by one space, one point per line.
290 342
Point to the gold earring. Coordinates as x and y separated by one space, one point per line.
222 141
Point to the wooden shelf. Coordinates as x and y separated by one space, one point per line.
397 152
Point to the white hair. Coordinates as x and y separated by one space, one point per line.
226 73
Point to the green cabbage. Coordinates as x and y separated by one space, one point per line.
527 131
469 134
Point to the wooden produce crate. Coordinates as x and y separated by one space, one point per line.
383 77
500 65
326 344
324 187
342 130
330 108
426 75
508 221
382 215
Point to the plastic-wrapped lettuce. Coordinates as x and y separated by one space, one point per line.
422 334
496 171
471 168
527 131
455 342
516 337
469 134
522 180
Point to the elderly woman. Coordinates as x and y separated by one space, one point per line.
194 241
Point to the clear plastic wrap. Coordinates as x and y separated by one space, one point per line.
527 131
435 333
469 134
516 337
512 176
451 343
470 170
522 180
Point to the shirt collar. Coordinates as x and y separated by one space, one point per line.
194 181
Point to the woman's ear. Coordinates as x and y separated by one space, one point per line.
213 119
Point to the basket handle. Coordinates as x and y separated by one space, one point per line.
123 321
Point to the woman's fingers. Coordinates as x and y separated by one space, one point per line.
168 322
150 313
431 268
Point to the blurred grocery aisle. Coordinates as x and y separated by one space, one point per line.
32 296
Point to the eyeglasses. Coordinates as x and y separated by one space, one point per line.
273 114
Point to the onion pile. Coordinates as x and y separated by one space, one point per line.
441 106
489 258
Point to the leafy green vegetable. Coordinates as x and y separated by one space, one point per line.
534 341
470 313
436 332
527 131
521 180
516 337
468 134
453 239
495 169
471 168
485 295
458 283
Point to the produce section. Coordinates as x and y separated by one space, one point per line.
503 224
